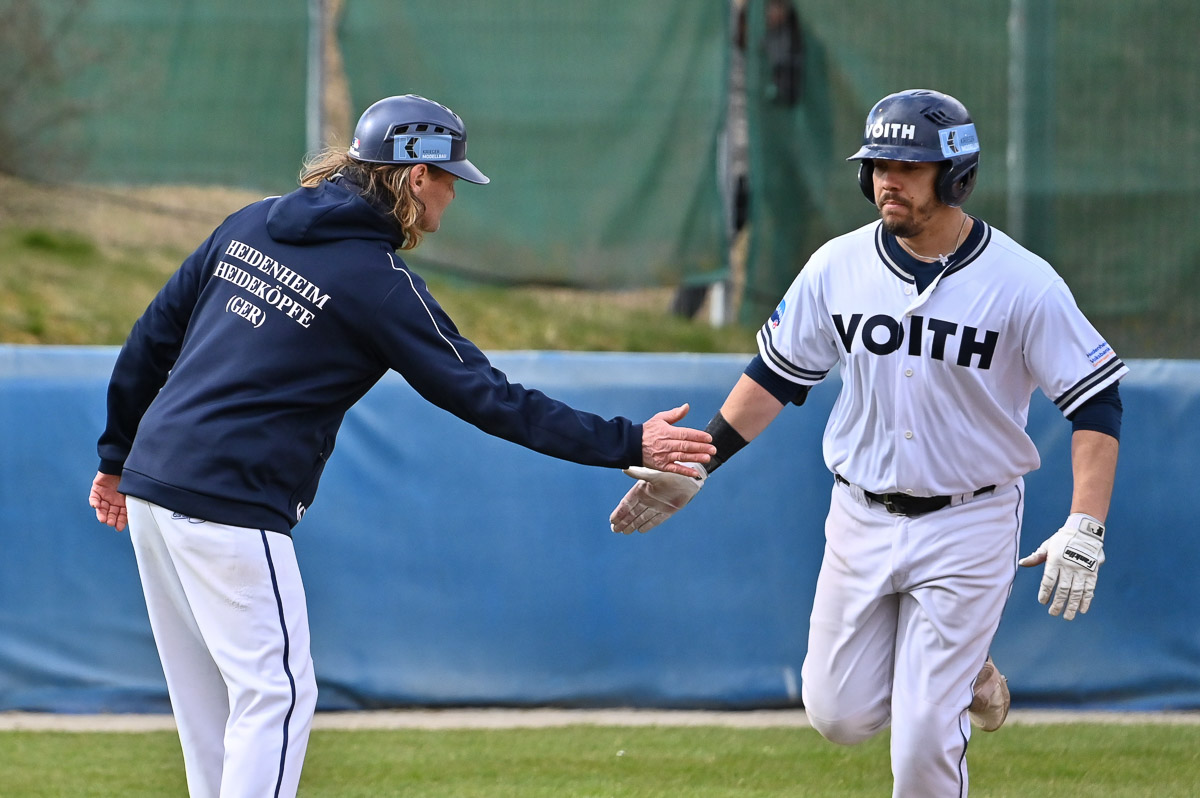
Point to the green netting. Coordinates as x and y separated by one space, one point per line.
597 122
1100 100
600 122
135 92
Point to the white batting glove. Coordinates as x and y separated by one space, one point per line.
1073 556
655 498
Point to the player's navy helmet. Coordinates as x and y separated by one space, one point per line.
920 125
411 129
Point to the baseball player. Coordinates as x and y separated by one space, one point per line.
942 327
225 403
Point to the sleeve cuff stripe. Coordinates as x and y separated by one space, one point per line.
777 361
1089 385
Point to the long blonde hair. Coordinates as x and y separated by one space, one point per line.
386 184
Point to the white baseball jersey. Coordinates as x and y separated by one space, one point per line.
935 386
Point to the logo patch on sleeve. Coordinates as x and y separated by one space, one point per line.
1100 354
777 316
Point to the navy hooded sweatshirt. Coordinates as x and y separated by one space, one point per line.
226 399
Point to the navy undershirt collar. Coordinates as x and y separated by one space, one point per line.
923 272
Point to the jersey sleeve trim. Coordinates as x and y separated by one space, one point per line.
1090 385
780 387
781 365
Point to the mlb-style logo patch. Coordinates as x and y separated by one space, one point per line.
777 316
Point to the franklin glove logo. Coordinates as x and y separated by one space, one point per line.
1084 559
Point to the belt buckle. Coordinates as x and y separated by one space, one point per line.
889 504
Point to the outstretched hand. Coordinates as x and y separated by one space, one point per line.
665 446
108 503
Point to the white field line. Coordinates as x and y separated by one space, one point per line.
543 718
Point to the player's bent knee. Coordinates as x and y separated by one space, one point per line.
850 730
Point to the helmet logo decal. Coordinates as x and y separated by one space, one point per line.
421 148
893 130
958 140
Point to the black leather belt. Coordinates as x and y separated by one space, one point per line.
903 504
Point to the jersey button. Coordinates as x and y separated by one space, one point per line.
908 292
908 372
908 434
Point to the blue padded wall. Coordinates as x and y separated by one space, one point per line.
445 567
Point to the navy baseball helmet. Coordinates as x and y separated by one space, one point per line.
411 129
920 125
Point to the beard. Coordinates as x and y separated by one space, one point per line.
908 226
902 228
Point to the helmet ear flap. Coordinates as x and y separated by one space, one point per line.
866 168
955 183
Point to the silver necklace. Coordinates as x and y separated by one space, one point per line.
944 258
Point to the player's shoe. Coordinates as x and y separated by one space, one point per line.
991 701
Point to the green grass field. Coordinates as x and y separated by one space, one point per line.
1021 761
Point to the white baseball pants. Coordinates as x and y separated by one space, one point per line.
904 613
228 612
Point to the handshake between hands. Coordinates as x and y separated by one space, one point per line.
661 491
655 498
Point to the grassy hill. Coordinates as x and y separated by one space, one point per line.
78 264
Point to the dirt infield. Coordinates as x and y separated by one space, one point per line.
544 718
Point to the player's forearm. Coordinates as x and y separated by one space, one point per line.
750 408
1094 465
747 411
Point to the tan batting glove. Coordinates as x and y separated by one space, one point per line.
1073 556
655 498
